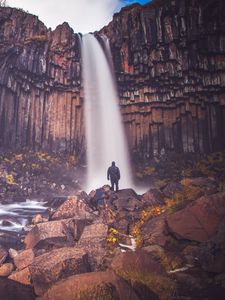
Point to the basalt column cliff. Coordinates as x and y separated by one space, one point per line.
169 59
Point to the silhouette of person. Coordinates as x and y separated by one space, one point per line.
113 174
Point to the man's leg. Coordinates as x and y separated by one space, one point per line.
117 186
112 185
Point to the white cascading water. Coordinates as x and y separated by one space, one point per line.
106 140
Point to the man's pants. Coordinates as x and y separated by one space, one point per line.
113 182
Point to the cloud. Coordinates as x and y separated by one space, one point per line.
82 15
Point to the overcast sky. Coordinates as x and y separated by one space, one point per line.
82 15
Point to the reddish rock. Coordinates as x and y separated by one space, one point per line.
3 255
22 276
38 219
6 269
127 200
73 207
153 197
56 233
93 240
23 259
60 263
92 286
200 220
139 262
154 232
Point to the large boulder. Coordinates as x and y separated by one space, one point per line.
55 233
147 277
200 220
154 232
93 240
11 290
127 200
92 286
55 265
73 207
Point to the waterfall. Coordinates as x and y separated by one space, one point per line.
105 137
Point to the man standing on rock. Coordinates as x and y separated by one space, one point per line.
113 174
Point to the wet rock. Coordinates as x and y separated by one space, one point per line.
13 253
23 259
92 286
22 276
11 290
73 207
192 223
56 265
3 254
6 269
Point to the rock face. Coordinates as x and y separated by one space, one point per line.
200 221
169 59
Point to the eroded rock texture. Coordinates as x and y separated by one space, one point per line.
169 59
39 84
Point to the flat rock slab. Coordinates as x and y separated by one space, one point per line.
23 259
55 265
22 276
59 233
92 286
200 220
73 207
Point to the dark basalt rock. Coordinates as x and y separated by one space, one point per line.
169 64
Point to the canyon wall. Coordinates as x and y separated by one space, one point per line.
170 68
169 59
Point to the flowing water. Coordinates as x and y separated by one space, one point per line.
13 217
106 140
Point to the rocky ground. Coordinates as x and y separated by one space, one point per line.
168 243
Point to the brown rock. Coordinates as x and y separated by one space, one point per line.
127 200
6 269
3 255
92 286
38 219
153 197
55 233
139 262
49 268
193 223
22 276
154 232
73 207
93 240
24 259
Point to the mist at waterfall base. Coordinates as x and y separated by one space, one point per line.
105 137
